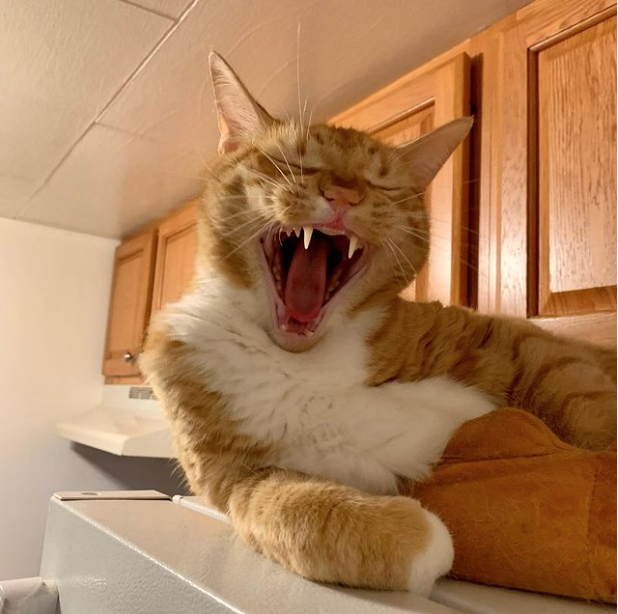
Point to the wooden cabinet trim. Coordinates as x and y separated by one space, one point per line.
544 22
386 108
593 327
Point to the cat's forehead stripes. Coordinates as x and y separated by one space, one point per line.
328 144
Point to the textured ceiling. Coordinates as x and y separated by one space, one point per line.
106 112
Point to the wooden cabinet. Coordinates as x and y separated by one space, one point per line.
177 246
129 307
401 113
524 222
150 270
556 245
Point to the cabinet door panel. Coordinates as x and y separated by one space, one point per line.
402 112
556 169
129 304
577 172
177 246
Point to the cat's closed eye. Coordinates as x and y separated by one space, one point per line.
309 170
294 166
386 188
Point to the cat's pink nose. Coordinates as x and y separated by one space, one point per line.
338 196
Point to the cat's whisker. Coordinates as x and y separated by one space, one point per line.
309 126
257 233
232 216
207 169
251 227
394 247
449 223
426 238
304 125
245 212
288 163
403 254
269 208
200 155
411 197
274 163
386 253
432 232
239 227
266 178
300 112
385 243
233 199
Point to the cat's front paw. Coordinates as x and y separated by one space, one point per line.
331 533
435 560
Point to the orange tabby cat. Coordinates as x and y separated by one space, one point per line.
301 390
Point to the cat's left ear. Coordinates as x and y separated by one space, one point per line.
240 115
427 154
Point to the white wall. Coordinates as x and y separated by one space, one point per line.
54 293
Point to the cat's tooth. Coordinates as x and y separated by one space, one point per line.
353 245
297 231
308 232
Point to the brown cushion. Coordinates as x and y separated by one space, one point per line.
527 510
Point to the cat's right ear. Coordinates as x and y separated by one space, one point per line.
240 115
428 153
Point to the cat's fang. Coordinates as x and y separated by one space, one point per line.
353 246
308 231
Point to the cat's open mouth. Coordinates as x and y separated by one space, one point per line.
309 266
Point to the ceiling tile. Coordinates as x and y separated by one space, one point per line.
14 192
348 49
113 182
171 8
61 61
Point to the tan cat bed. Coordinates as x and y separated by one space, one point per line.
527 510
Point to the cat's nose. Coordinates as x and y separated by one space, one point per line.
339 196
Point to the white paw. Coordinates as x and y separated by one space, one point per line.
435 560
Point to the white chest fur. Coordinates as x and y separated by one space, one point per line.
315 406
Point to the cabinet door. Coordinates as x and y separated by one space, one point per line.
557 169
130 304
402 112
176 251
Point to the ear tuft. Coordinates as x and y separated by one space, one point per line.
240 115
428 153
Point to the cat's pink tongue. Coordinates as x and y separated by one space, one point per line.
306 282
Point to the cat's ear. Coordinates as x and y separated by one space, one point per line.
240 116
427 154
